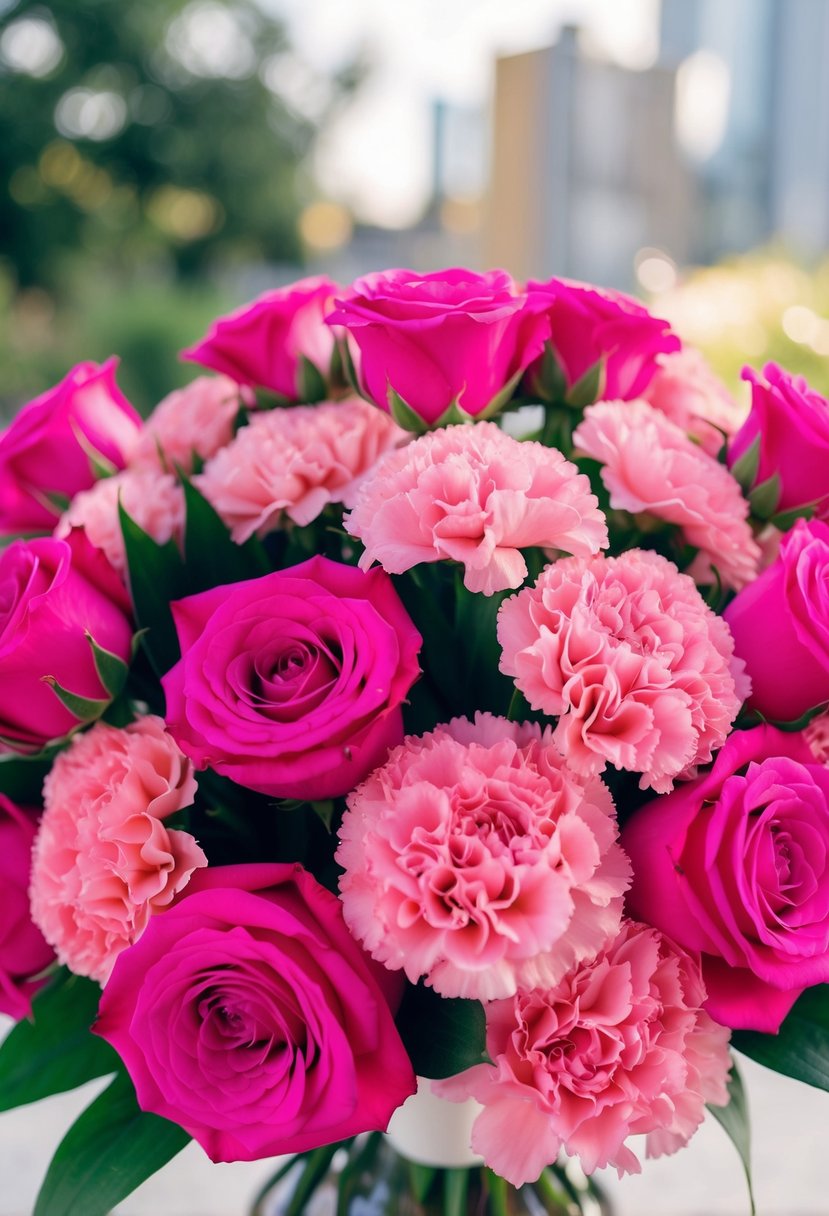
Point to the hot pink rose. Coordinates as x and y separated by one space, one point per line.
619 1047
780 625
23 950
686 390
104 860
733 867
55 595
49 451
249 1016
292 684
477 858
196 420
589 325
262 344
452 336
791 423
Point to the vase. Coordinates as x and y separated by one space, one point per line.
422 1166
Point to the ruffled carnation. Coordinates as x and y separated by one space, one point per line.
686 390
627 654
476 858
650 464
154 500
103 860
475 495
619 1047
294 462
816 734
196 420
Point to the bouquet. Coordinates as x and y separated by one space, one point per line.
431 697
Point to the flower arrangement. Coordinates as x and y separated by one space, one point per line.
437 690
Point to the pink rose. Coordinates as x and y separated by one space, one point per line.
249 1016
791 424
450 337
55 597
49 451
588 326
263 344
732 866
780 626
23 950
194 421
292 684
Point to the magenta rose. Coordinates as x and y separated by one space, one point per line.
23 949
55 597
51 449
791 424
732 866
780 625
590 326
247 1014
450 337
263 344
292 684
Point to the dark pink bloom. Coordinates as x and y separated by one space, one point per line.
23 949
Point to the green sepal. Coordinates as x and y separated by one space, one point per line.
787 519
267 399
101 467
734 1118
744 470
588 388
112 670
324 810
310 381
403 414
349 371
764 498
550 382
85 709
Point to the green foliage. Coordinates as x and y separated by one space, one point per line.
801 1047
734 1118
443 1035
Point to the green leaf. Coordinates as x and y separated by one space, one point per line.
211 556
55 1051
85 709
109 1151
800 1049
443 1035
21 777
765 497
735 1119
325 811
310 382
482 685
112 670
403 414
588 388
744 470
592 470
156 576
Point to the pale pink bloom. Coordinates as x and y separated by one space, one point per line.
477 496
816 733
294 462
619 1047
194 421
650 465
629 657
103 860
476 858
686 390
154 500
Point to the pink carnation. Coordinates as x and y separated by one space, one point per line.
686 390
627 654
294 462
475 857
651 465
195 420
619 1047
154 500
103 859
816 734
474 495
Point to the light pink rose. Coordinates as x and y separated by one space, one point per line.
476 858
590 325
451 336
263 343
686 390
651 465
733 867
780 625
473 495
104 861
292 684
195 420
49 452
249 1016
154 500
54 596
294 462
619 1047
626 653
791 423
23 950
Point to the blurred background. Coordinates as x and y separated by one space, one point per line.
163 161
